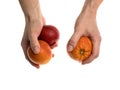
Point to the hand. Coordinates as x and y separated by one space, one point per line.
30 37
86 26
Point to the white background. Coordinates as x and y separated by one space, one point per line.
61 73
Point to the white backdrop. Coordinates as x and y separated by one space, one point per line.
61 73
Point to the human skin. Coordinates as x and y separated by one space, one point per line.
86 25
34 23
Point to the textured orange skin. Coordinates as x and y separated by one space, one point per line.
82 50
43 57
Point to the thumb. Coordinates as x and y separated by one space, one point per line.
73 41
35 46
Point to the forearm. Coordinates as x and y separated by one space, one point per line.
91 6
31 9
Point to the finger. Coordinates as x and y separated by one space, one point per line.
33 64
73 41
25 45
95 52
35 46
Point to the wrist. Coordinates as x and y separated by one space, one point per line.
35 17
31 10
91 6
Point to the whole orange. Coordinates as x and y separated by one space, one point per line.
43 56
82 50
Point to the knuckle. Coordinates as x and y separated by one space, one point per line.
34 43
31 36
71 42
74 40
96 55
99 38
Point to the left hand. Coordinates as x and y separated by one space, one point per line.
86 26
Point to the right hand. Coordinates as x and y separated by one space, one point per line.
30 37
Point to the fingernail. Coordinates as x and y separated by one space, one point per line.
70 48
36 50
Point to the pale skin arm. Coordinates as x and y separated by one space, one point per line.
86 26
34 23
